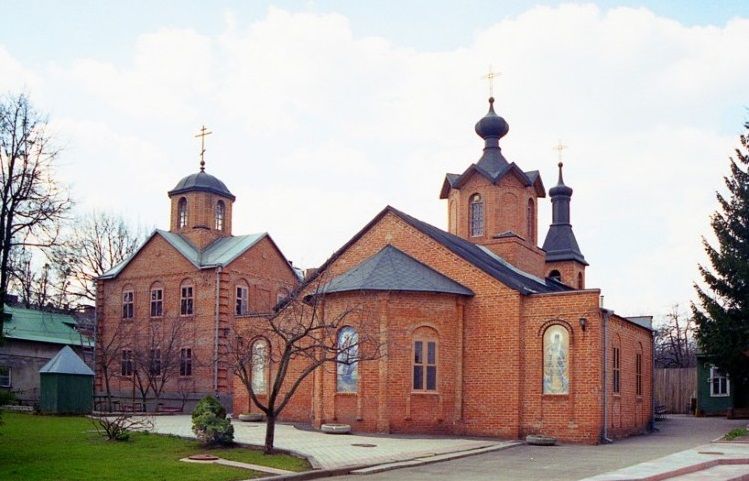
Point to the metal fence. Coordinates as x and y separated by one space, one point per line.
675 388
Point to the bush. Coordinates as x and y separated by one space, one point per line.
118 428
209 422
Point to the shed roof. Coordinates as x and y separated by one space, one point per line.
43 326
393 270
66 362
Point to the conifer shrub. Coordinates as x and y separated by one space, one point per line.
209 423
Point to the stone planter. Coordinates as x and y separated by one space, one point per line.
334 428
540 440
251 417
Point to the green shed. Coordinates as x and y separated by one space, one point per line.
66 385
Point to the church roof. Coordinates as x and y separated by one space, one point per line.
201 182
478 256
66 362
561 245
220 252
393 270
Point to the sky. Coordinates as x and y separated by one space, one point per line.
324 112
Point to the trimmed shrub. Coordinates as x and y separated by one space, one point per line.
209 422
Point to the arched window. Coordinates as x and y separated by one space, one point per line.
580 283
128 303
425 347
242 304
187 296
347 364
182 213
638 370
556 360
477 216
259 365
556 275
157 300
220 215
531 221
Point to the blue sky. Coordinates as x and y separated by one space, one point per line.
325 112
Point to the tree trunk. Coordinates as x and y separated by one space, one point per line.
270 433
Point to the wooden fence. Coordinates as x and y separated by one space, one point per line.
675 388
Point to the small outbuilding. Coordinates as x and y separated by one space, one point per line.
66 384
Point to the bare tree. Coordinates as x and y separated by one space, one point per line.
300 338
109 355
32 202
165 348
674 340
98 242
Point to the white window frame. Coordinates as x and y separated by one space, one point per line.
9 376
714 371
242 301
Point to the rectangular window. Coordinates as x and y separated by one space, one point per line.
241 309
425 366
185 362
126 364
638 373
155 362
186 301
720 385
157 302
617 371
127 305
4 376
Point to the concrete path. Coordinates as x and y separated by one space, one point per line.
329 451
567 462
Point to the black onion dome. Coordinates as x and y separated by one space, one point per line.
492 125
560 188
201 182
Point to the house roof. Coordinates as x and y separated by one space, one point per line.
393 270
476 255
201 182
42 326
66 362
221 252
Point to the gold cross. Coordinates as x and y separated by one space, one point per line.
559 148
202 135
490 77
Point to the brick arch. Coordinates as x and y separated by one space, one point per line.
425 326
557 321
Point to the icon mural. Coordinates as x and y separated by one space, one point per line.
347 379
556 360
259 361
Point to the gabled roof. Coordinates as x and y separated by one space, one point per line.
493 171
66 362
393 270
481 258
221 252
42 326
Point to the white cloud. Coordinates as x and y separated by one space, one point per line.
316 128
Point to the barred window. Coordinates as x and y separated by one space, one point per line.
638 373
220 215
476 216
182 213
531 221
616 379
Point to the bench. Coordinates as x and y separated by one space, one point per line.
169 409
660 412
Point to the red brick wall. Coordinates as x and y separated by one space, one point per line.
201 215
572 272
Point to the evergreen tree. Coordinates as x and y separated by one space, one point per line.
723 319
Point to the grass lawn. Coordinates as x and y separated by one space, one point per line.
35 448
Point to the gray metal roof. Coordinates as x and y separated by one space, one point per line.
393 270
221 252
67 362
644 321
560 243
201 182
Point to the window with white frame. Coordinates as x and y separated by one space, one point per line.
4 376
186 301
242 301
182 213
720 385
424 365
185 361
127 305
220 215
157 302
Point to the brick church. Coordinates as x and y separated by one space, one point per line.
485 333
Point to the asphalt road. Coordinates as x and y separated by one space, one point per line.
567 462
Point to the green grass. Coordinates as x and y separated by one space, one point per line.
36 448
736 433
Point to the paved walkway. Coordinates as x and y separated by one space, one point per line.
329 451
568 462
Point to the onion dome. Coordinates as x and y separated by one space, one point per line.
202 182
560 188
492 126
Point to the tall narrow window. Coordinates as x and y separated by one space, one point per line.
425 365
531 221
616 378
347 363
720 386
259 363
638 373
220 215
185 362
155 364
182 213
477 216
242 301
127 305
556 360
126 363
157 302
5 376
186 301
580 283
556 275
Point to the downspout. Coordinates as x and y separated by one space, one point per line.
652 383
215 337
606 314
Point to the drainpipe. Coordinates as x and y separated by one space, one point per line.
215 337
606 314
652 383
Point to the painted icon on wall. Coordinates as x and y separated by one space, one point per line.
556 360
347 379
